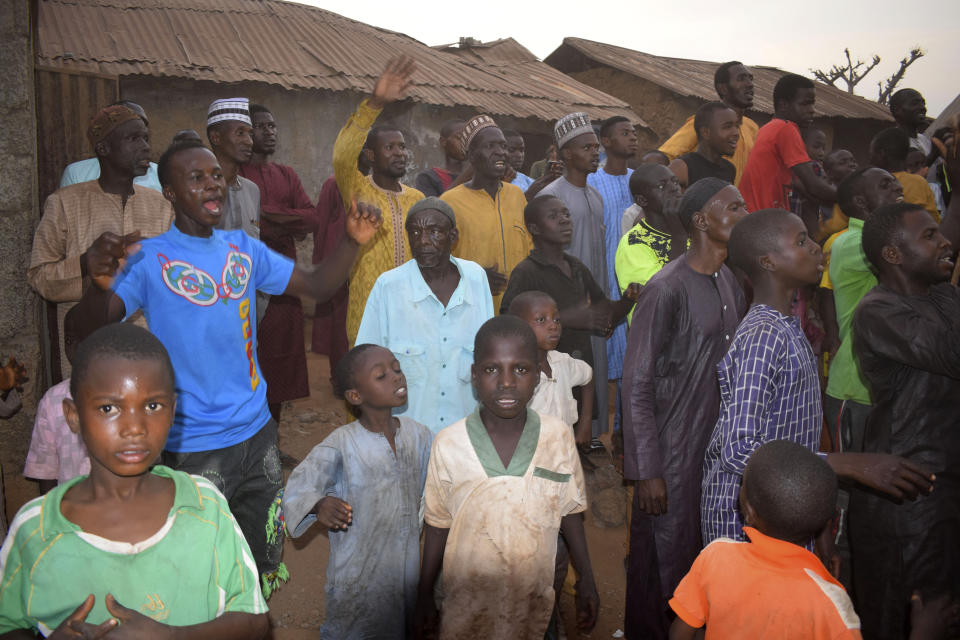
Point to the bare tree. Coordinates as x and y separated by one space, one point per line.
850 73
886 89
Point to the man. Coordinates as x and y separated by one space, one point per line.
386 152
89 169
847 401
287 215
780 155
516 154
906 334
230 133
579 149
427 313
658 236
734 84
717 136
329 327
436 180
688 313
889 150
909 109
490 211
612 181
108 212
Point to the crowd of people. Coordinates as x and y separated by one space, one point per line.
777 319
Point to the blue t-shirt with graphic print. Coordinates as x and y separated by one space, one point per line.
198 296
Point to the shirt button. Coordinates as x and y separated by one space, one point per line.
724 307
726 337
444 365
444 339
442 393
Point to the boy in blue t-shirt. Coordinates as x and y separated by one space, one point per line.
196 286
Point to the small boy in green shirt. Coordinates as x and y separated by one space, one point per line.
131 550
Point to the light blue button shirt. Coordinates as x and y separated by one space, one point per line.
433 343
89 169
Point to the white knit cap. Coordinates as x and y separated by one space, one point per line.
229 109
570 126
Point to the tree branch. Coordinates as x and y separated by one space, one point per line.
886 89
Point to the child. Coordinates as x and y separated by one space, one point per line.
373 468
501 483
772 587
769 388
132 544
197 287
56 453
584 308
559 373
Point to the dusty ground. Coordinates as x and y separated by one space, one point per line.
297 610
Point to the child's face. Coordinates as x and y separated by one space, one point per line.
505 373
197 188
553 224
839 165
915 162
544 318
816 144
123 411
378 381
798 259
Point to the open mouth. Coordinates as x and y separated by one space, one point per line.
507 403
213 206
401 392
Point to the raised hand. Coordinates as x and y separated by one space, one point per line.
334 514
393 83
13 375
632 292
362 222
107 255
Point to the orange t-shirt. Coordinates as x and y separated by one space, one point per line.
765 588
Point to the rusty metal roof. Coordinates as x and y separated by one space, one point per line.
287 44
694 78
512 61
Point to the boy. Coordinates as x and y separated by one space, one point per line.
779 155
500 485
196 286
161 542
769 389
584 308
772 587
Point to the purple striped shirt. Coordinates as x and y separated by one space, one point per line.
769 390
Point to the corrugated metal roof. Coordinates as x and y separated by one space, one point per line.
287 44
514 62
695 78
945 116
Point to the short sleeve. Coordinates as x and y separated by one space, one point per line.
13 614
437 489
790 146
131 285
372 324
579 372
43 459
635 263
318 476
272 271
689 600
237 576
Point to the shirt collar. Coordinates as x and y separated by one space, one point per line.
53 522
855 223
420 290
782 553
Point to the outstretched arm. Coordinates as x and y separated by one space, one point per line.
322 281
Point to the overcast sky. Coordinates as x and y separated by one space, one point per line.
794 36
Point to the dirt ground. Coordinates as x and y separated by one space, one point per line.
297 609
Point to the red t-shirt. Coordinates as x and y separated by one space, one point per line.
766 178
765 588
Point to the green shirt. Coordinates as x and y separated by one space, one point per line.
642 252
195 568
852 278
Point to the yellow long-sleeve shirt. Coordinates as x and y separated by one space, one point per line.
389 247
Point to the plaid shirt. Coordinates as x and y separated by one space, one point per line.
769 390
615 191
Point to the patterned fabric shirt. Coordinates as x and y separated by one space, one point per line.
55 453
642 252
389 247
769 390
615 191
